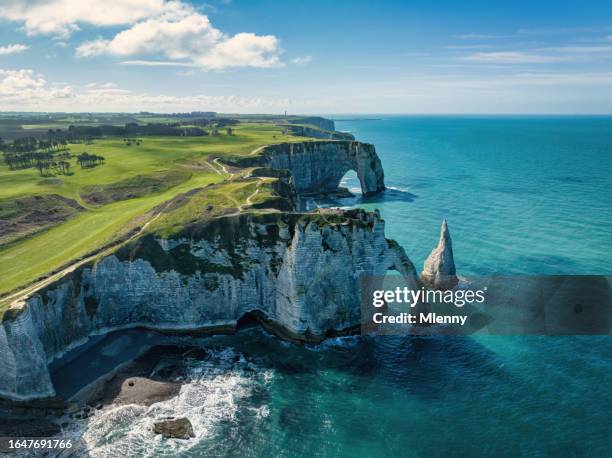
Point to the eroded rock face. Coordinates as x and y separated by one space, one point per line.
439 268
300 271
318 166
179 428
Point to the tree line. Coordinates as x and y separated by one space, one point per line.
31 144
43 161
86 160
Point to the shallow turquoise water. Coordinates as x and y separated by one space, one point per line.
522 195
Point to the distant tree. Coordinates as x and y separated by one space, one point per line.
64 167
44 161
86 160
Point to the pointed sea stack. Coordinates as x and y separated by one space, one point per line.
439 268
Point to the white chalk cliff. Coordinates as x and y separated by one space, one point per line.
300 273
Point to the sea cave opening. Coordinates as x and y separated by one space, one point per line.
350 182
249 320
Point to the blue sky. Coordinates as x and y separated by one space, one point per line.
307 57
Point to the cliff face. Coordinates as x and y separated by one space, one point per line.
306 131
318 166
321 123
301 272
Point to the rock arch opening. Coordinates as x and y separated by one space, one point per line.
350 184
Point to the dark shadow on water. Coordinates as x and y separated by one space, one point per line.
390 195
509 189
547 264
570 179
433 367
459 176
427 367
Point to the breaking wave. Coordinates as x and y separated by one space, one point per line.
214 391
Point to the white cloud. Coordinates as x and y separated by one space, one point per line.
171 29
188 37
468 46
62 17
542 55
12 49
179 34
155 63
580 49
302 60
24 87
514 57
25 90
184 35
243 49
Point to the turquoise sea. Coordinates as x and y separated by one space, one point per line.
523 195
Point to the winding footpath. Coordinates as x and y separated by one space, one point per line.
17 299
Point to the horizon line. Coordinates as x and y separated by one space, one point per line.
147 112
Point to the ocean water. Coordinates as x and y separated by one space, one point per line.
522 195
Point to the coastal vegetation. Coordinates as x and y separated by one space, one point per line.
98 188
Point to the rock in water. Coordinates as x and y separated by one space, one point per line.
180 428
439 268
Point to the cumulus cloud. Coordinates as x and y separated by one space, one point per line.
171 29
24 86
26 90
62 17
179 34
12 49
186 36
243 49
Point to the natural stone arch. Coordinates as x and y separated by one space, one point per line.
348 180
318 166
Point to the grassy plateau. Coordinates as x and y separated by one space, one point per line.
122 196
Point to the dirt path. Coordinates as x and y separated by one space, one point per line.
17 299
223 168
257 150
248 200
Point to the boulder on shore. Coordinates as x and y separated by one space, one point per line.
439 268
179 428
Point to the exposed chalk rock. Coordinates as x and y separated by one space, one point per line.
318 166
300 271
439 268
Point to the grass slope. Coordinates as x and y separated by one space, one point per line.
37 256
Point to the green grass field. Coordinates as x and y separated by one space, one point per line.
34 257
